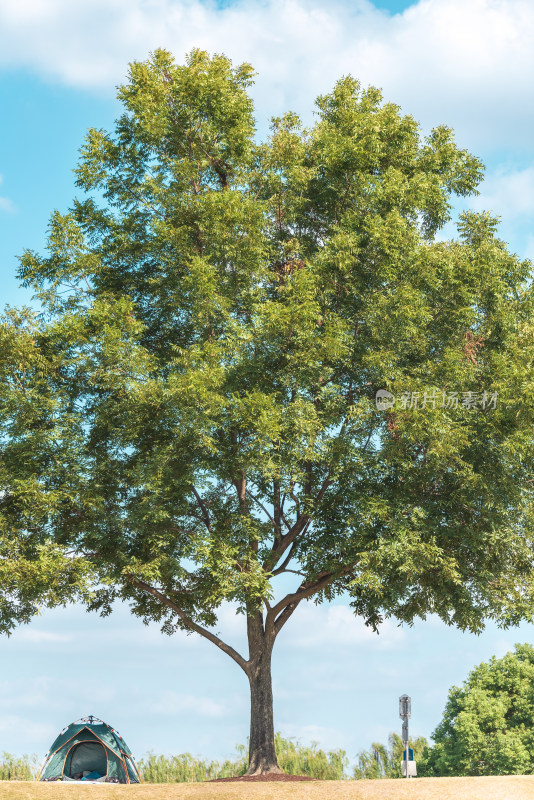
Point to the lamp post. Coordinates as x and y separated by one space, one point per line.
405 712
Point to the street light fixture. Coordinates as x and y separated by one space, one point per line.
405 706
405 712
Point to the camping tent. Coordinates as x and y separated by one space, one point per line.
89 750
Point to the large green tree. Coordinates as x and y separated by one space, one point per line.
488 723
193 415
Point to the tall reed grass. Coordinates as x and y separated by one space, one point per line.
18 768
293 758
384 761
296 759
186 768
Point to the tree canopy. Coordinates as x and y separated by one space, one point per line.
488 722
193 414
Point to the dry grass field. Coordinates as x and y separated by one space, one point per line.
512 787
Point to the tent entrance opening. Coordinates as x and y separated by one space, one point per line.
88 757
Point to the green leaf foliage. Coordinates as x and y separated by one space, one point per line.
488 723
194 411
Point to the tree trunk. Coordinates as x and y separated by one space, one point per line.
262 755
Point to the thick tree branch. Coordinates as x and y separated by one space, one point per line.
260 504
280 613
284 616
277 510
240 484
368 439
186 619
308 479
304 590
326 483
282 567
295 500
203 508
300 527
280 546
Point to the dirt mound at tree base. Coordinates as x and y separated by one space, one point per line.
275 776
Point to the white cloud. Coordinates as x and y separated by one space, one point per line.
176 703
328 738
467 63
44 691
42 637
5 203
330 626
29 730
508 193
504 645
19 694
529 248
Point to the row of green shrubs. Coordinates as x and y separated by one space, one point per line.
294 758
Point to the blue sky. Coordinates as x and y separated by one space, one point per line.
466 63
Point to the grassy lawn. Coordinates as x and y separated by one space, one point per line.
512 787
